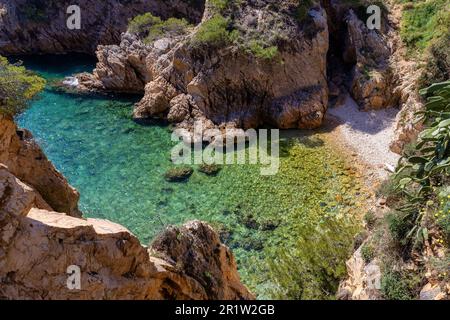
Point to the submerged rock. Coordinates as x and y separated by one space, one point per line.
179 174
210 169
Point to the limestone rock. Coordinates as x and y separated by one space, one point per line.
373 82
432 292
196 249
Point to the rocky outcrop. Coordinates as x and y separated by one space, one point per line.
120 68
34 26
373 82
227 85
25 159
363 282
38 244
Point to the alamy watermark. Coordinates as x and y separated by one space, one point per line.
374 21
74 279
73 22
228 146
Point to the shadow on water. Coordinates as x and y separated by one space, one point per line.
50 64
290 138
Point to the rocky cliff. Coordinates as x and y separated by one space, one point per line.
40 26
25 159
273 66
39 240
225 82
238 64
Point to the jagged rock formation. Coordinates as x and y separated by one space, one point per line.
359 58
373 82
227 85
37 244
364 280
25 159
35 26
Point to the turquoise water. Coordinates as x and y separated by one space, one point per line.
118 167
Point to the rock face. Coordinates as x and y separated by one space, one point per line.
363 282
25 159
38 244
373 82
34 26
227 85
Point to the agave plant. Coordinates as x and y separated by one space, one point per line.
429 159
430 156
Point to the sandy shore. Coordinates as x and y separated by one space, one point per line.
366 134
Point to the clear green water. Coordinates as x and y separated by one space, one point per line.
118 167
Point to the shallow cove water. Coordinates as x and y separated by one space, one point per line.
118 167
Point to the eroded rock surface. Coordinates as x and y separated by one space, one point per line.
226 85
373 82
364 280
34 26
25 159
39 245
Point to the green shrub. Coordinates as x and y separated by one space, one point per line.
152 28
368 252
394 287
302 9
219 5
405 229
370 219
141 23
213 32
437 68
415 173
263 52
443 212
17 87
424 21
388 189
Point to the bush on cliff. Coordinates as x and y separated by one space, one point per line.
213 32
151 28
17 87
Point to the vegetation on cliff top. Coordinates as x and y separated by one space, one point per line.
425 29
17 87
229 24
151 28
419 197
